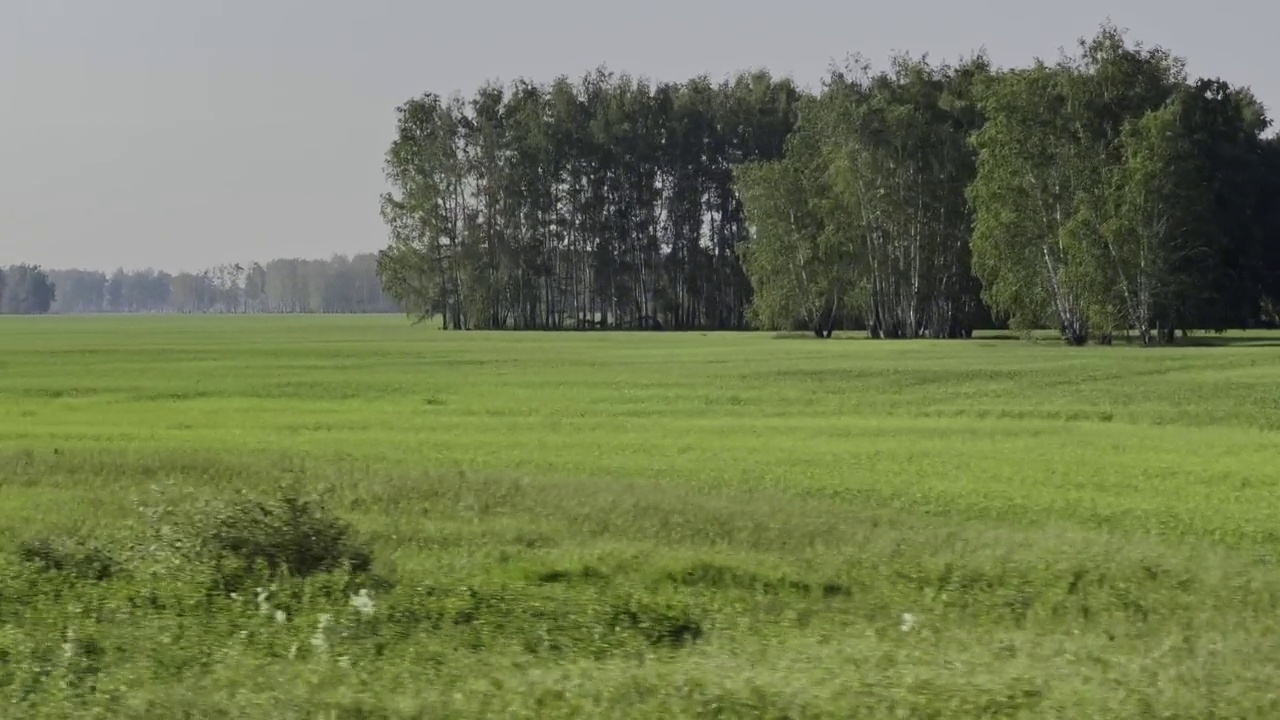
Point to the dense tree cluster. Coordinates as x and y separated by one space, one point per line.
337 285
25 290
608 202
865 220
1103 193
1113 194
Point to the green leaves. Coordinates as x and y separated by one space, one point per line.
25 290
1101 193
1087 200
603 202
865 222
799 275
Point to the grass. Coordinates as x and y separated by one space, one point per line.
630 525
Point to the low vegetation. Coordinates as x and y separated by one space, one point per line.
337 517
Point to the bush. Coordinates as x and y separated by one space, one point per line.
674 626
87 563
289 536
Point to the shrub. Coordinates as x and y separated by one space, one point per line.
87 563
289 536
672 626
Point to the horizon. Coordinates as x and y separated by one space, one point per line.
108 271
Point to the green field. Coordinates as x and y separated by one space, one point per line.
632 525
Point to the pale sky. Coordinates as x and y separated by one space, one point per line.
178 134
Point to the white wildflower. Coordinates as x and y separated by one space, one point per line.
363 603
908 622
264 607
318 640
281 617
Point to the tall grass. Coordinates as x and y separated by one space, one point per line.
329 517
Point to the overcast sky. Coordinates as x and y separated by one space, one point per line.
179 134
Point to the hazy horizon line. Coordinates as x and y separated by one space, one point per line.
144 268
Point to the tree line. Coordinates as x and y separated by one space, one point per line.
340 284
1103 193
608 202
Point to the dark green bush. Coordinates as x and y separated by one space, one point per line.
88 563
288 536
671 626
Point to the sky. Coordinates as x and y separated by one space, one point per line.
178 134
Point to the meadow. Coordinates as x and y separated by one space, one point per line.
351 517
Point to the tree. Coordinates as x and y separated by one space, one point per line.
255 289
79 291
1156 221
801 272
1052 137
115 290
425 221
866 215
603 202
26 290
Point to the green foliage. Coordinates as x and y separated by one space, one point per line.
1095 208
1100 194
799 275
25 290
864 222
289 535
90 563
602 203
1156 226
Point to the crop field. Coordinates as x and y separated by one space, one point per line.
349 517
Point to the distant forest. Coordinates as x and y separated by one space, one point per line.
338 285
1103 193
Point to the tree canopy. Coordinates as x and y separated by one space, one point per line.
25 290
605 202
1105 192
